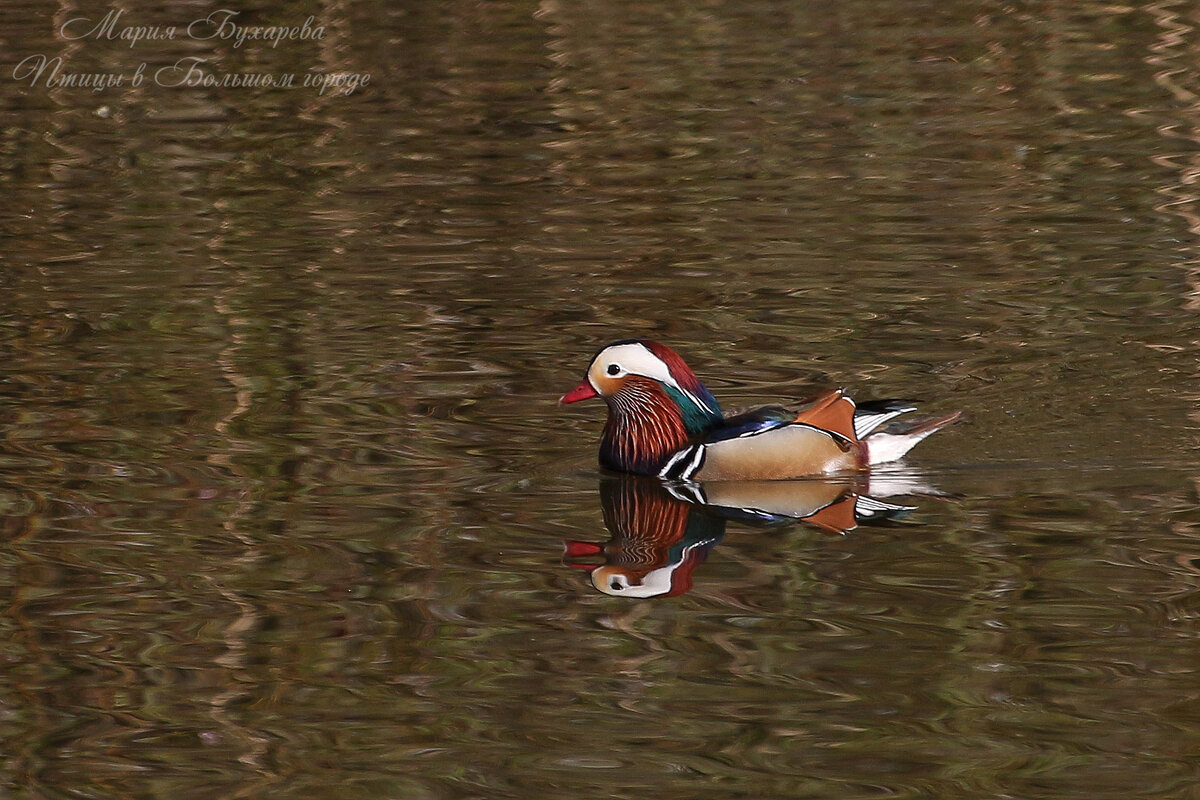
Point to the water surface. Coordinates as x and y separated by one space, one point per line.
285 486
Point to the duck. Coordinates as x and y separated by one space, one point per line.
657 540
661 532
663 421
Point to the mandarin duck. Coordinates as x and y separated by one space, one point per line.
660 532
657 540
663 421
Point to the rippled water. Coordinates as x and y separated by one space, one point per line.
286 489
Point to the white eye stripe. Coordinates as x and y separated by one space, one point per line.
635 358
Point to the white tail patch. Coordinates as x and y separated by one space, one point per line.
885 447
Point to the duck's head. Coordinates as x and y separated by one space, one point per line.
656 405
654 578
622 582
632 373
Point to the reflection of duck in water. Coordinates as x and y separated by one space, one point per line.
663 421
661 533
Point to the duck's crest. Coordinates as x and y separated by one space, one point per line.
699 407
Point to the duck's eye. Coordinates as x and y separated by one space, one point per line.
613 369
615 585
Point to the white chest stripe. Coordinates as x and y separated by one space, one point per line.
684 464
666 470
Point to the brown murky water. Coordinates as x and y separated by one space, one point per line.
285 487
